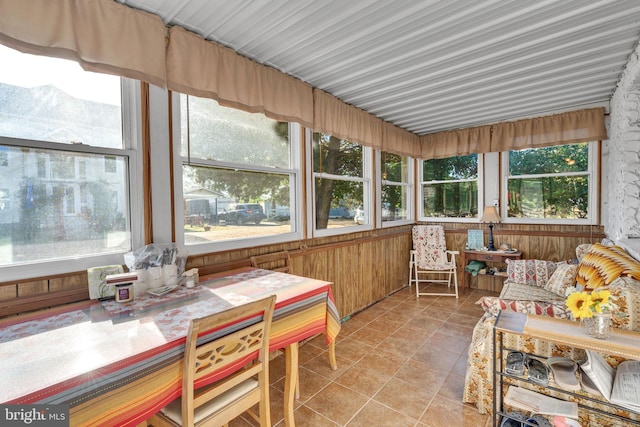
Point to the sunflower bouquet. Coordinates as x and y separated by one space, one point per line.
585 304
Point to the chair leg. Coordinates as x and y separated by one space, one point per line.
455 281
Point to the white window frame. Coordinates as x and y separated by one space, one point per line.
592 170
132 143
410 208
295 136
367 197
420 200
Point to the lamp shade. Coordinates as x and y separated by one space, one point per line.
490 214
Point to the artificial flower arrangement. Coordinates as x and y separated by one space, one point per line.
585 304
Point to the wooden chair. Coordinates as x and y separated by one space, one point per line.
430 257
218 403
276 261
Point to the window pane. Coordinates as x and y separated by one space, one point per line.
553 197
213 132
336 156
451 199
451 168
336 202
395 199
52 207
394 167
222 204
549 160
55 100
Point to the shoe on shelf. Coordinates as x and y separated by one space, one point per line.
515 363
538 371
513 419
539 420
564 372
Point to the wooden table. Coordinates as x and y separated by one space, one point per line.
117 364
485 256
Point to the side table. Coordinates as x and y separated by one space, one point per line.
485 256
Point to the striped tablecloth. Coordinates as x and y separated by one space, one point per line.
117 364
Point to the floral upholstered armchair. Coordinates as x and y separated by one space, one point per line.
539 287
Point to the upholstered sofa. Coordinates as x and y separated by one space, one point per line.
539 287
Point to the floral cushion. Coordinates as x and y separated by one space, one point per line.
430 247
563 278
601 265
532 272
525 299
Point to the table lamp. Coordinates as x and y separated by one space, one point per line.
490 215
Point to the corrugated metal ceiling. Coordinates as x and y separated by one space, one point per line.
429 66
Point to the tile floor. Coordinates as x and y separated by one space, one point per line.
401 362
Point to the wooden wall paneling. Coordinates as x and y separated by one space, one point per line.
548 248
33 288
362 283
8 291
76 281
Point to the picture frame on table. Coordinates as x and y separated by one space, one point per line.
475 240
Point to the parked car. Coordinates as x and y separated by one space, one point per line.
343 213
243 213
359 218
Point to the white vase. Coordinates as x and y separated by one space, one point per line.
598 326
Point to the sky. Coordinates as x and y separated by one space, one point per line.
28 71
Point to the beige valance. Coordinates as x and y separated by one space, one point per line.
106 36
563 128
339 119
458 142
102 35
400 141
206 69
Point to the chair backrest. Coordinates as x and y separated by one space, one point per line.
227 355
430 246
276 261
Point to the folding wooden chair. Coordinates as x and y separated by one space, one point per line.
430 257
218 403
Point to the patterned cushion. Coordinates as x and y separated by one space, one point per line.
430 247
525 299
531 272
603 264
625 294
564 277
582 249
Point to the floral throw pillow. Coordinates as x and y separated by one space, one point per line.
564 277
531 272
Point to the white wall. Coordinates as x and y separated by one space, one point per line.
623 219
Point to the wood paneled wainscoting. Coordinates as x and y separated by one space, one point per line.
548 242
364 267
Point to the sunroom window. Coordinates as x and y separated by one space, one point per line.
551 184
396 179
239 175
65 166
341 183
449 188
